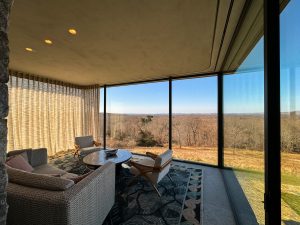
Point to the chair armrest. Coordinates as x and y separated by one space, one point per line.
39 157
94 196
151 155
101 176
142 168
97 144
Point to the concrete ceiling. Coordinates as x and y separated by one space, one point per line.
122 41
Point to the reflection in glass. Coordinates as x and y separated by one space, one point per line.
290 113
244 137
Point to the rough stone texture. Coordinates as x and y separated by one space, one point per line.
3 100
5 6
4 50
3 140
4 57
3 205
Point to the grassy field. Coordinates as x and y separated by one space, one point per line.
249 166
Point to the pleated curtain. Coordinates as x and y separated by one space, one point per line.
47 113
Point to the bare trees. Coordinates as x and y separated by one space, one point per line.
290 133
241 131
195 130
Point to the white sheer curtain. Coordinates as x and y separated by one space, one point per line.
45 113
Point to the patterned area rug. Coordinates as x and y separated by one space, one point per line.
139 203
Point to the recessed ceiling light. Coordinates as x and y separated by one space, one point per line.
49 42
72 31
29 49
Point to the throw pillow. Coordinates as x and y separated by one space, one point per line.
25 156
19 162
69 176
81 177
38 180
54 175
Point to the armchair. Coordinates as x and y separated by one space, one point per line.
154 168
85 145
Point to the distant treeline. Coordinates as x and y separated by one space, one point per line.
241 131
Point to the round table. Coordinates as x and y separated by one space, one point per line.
99 158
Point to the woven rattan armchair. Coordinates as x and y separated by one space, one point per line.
153 168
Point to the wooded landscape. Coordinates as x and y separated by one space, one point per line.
241 131
195 139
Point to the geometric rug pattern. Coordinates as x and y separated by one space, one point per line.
192 204
139 203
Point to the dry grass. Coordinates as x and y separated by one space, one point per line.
250 165
236 158
205 155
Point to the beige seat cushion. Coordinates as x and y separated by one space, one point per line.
40 181
155 176
48 169
146 162
69 176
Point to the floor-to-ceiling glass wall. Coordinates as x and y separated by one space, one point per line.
290 113
138 117
101 115
244 137
194 124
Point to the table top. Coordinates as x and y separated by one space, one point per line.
99 158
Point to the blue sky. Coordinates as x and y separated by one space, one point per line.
243 91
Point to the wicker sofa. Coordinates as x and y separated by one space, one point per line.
87 202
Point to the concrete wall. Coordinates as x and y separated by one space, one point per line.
5 6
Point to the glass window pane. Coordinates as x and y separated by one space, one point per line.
137 117
290 113
244 137
195 108
101 105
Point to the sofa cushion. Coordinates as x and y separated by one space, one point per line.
48 169
81 177
40 181
24 152
39 157
70 176
25 156
19 162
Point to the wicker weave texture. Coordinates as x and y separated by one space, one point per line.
86 203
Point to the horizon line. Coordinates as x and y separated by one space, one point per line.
245 113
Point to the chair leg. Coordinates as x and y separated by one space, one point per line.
171 179
155 188
75 153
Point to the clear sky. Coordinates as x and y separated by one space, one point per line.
243 91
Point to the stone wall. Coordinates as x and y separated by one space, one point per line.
5 6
